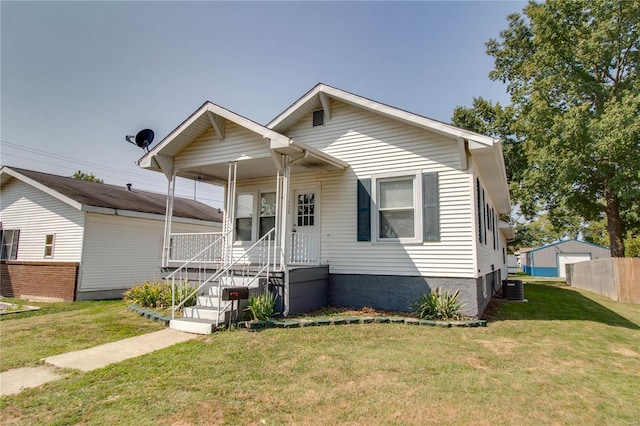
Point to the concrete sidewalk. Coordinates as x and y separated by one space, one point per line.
13 381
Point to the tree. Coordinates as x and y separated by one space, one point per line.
572 71
86 176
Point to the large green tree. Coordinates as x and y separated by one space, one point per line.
572 70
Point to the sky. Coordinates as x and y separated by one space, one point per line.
77 77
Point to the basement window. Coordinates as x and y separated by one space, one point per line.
48 245
318 117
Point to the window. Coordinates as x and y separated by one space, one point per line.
396 208
48 245
306 210
244 217
399 208
9 248
267 212
318 117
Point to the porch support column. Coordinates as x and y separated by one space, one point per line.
230 212
168 219
284 234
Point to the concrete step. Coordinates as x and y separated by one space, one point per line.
208 301
193 325
204 312
240 282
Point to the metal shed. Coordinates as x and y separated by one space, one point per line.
550 260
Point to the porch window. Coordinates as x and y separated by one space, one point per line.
244 217
48 245
267 212
9 247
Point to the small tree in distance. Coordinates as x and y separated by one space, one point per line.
86 176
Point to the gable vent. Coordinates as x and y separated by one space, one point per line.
318 117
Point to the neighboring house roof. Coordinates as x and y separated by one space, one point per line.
546 246
81 194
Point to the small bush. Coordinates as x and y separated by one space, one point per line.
262 306
157 294
438 305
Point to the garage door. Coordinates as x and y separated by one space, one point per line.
565 259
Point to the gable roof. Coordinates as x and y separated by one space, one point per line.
486 151
81 194
313 99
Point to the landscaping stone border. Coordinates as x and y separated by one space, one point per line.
316 322
150 314
258 325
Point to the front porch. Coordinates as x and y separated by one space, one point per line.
271 227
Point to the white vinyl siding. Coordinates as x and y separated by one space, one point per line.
238 144
37 214
373 145
120 252
490 250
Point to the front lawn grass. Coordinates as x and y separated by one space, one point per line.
66 326
564 357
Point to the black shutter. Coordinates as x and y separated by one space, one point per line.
430 207
479 209
364 210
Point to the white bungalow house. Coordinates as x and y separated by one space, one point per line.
352 201
69 239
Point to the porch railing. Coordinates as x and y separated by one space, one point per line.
259 259
304 248
186 247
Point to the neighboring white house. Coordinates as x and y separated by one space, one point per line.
69 239
392 204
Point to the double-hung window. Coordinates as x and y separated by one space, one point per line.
49 240
267 212
401 207
396 208
244 217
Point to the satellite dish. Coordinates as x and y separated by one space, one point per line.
143 139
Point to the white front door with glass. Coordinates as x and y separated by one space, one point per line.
305 236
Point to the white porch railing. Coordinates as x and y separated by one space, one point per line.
259 260
203 247
304 249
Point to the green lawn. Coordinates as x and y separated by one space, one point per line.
62 327
565 357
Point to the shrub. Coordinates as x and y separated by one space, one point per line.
438 305
157 294
262 306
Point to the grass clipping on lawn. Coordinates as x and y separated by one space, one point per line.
565 357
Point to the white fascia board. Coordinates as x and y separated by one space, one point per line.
142 215
146 159
410 118
70 201
261 130
507 230
217 111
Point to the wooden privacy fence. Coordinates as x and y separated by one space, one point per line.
617 278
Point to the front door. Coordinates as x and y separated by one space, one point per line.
305 235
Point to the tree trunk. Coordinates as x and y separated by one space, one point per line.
614 223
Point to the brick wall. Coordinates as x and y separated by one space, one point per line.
42 279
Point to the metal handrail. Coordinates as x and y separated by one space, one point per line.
223 270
